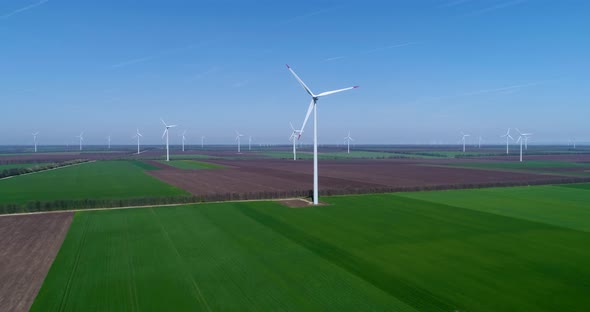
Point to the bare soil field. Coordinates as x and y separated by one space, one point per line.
28 246
340 177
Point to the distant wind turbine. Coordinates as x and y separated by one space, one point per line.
35 140
109 140
479 145
313 107
526 138
81 137
202 140
522 139
183 139
293 138
508 137
347 141
238 136
137 135
250 143
464 139
166 132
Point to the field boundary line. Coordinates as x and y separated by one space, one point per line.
60 167
151 206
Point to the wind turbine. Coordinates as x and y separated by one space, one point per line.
479 145
202 140
166 134
250 143
347 141
137 135
81 137
294 137
508 137
313 107
35 140
526 138
464 139
522 138
238 136
109 140
183 139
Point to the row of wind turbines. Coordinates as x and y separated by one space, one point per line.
522 138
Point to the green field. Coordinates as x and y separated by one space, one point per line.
502 249
191 164
96 180
18 166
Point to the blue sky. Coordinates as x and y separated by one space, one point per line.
427 69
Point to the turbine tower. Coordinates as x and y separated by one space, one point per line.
508 137
313 107
293 138
347 141
464 139
81 137
166 131
238 136
109 140
183 139
35 140
137 135
202 140
250 143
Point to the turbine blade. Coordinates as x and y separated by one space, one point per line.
163 122
309 110
300 81
336 91
163 134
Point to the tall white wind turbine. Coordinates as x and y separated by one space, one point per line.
183 139
81 137
109 141
166 131
463 139
35 140
137 135
293 138
250 143
238 136
202 141
313 107
347 141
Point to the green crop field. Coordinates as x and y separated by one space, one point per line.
97 180
502 249
191 164
18 166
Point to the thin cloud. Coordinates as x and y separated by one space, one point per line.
330 59
454 3
23 9
310 14
502 89
399 45
134 61
496 7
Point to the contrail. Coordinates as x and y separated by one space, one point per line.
497 7
405 44
334 58
28 7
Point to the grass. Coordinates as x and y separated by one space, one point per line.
191 164
18 166
97 180
501 249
